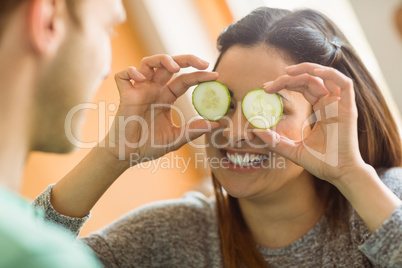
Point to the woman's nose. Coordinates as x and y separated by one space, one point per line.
237 130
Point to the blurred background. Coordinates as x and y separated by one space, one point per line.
191 27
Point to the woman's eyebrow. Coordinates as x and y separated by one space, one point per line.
283 97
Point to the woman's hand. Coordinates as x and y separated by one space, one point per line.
138 129
143 125
331 149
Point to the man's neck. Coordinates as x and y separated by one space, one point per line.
16 119
14 148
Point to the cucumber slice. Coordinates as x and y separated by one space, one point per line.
261 109
211 100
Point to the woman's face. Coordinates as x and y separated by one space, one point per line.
247 168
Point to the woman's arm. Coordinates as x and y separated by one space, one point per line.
140 90
82 187
368 195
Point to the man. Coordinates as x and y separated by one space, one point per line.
53 56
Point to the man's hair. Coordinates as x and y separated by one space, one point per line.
7 7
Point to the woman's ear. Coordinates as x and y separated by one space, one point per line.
46 27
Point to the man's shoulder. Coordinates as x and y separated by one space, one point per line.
27 241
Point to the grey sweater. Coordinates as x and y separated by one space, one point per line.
184 233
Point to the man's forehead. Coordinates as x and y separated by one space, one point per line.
106 9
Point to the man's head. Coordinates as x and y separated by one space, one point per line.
66 43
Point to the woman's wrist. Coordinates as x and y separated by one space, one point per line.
354 174
81 188
111 160
368 195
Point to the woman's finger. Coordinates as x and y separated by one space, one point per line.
193 130
185 61
123 78
344 83
148 64
324 72
184 81
302 68
332 87
310 86
163 75
279 144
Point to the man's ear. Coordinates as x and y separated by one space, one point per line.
46 25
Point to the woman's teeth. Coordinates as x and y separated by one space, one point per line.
246 159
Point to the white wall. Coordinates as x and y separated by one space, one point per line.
376 18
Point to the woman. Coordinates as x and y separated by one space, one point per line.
324 206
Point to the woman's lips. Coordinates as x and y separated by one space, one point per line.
242 162
245 159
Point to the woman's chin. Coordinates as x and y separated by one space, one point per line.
238 187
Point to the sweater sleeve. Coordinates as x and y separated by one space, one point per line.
51 215
384 246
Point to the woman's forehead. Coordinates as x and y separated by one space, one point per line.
243 69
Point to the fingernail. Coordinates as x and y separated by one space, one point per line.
203 61
268 84
175 65
142 76
275 137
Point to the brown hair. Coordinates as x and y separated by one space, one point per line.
7 7
307 36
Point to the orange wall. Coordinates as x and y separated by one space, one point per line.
136 186
215 14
